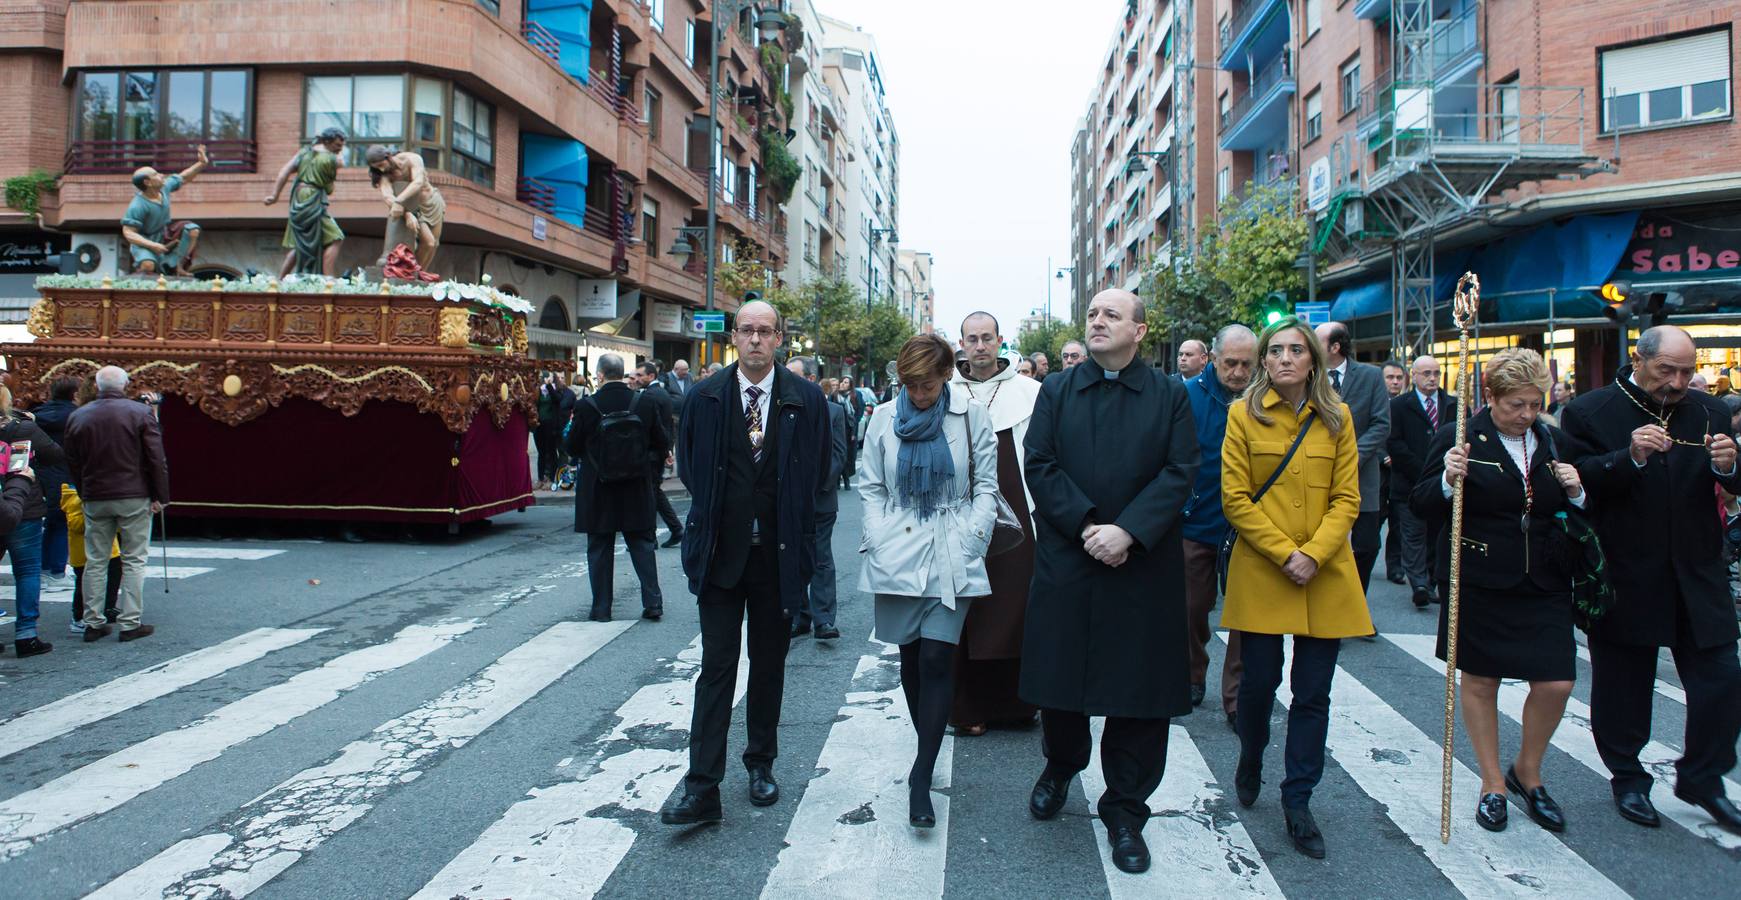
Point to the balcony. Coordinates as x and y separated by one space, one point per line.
537 194
122 157
1260 115
1456 47
1372 10
1258 29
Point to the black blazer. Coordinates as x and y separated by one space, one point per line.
1659 524
1494 557
1410 436
624 506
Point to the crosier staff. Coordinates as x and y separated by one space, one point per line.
1463 311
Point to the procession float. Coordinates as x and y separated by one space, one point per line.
312 396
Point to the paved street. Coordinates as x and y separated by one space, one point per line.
434 721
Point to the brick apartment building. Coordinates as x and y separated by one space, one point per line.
1548 147
569 139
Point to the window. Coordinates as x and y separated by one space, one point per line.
494 7
1681 80
1225 106
429 121
191 105
370 109
656 12
651 111
689 42
1221 185
650 226
1505 100
1314 116
1351 85
474 139
1314 17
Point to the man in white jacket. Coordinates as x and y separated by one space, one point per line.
988 658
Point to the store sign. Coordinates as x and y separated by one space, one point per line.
1318 184
667 318
30 256
1684 242
597 300
707 323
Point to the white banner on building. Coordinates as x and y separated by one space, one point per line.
597 299
667 318
1318 184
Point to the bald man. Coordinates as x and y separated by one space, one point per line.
754 439
158 245
1652 453
1193 356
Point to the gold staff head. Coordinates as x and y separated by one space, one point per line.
1468 301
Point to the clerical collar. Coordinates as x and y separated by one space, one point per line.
1110 374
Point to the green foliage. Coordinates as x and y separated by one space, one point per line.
780 167
888 329
744 273
743 123
834 316
773 58
24 192
1049 337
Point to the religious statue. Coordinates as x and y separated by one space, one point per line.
312 235
159 245
415 208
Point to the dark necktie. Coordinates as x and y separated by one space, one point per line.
1433 413
1336 380
753 419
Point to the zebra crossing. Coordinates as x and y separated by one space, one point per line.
158 566
576 830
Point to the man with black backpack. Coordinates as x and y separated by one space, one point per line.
618 436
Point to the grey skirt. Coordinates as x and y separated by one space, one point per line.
903 620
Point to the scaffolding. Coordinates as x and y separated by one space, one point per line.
1432 146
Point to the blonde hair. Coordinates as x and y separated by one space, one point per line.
1513 369
5 400
924 356
1323 397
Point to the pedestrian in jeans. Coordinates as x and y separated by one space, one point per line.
24 543
13 496
115 456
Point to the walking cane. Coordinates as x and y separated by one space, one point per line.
163 536
1463 312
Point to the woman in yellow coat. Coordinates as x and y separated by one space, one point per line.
1292 570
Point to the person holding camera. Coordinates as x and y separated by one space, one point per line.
24 542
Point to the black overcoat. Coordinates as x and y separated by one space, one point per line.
1411 432
1658 523
1100 640
626 505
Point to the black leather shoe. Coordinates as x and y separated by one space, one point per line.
1720 809
653 612
1248 780
763 789
133 634
1197 693
1048 796
599 615
675 540
97 634
1423 599
1396 578
800 629
1304 830
920 812
32 647
1129 853
1491 812
827 633
691 810
1636 807
1541 808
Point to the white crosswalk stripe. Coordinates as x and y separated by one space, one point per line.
302 813
1576 740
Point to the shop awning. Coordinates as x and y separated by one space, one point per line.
1518 271
1366 298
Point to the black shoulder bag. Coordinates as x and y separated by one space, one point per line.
1226 555
1592 595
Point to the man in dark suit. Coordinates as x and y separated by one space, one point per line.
818 611
647 380
678 383
610 427
1395 382
1415 417
753 439
1362 388
1652 454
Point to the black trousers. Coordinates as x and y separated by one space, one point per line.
663 503
1393 511
1308 716
819 604
550 455
1364 539
1622 679
756 594
601 548
1133 757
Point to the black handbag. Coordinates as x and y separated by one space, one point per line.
1225 556
1592 595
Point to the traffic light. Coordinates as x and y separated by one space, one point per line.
1617 294
1274 308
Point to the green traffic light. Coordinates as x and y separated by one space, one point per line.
1272 317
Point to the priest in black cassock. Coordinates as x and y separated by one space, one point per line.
1652 454
1111 457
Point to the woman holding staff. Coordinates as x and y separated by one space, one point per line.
1516 597
1292 570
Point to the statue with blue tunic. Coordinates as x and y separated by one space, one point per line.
160 245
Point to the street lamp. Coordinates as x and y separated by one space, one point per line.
1057 273
769 24
876 237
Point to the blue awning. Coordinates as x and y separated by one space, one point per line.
561 164
1517 271
569 21
1367 298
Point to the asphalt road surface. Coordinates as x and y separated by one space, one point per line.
439 721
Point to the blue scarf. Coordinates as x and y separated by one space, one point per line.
924 466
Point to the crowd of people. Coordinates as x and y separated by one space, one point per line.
1029 541
91 476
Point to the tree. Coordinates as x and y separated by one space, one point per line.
888 328
1186 299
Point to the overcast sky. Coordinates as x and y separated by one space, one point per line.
985 98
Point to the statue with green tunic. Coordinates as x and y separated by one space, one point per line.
159 244
312 235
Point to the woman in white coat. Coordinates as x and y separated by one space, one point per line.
928 477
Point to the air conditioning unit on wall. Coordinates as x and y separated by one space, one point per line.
94 254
